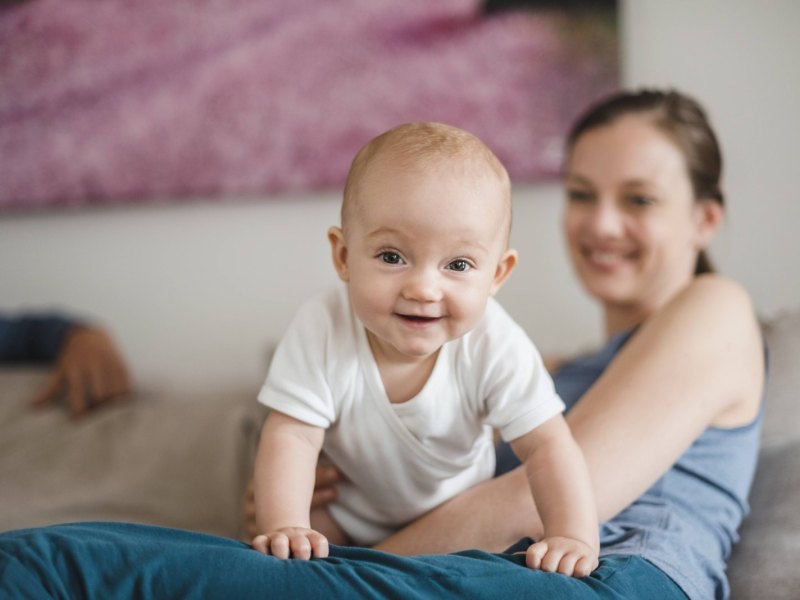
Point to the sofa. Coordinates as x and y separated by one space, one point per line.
764 562
184 462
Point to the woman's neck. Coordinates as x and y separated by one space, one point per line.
622 317
619 319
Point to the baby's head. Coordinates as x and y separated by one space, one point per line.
426 218
426 149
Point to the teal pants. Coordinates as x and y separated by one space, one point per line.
118 560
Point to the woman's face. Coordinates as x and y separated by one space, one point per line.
632 225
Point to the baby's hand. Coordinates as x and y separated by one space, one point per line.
294 542
563 555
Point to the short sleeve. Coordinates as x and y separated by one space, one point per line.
297 384
35 338
517 390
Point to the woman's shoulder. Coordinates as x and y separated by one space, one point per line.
714 313
713 323
719 287
718 300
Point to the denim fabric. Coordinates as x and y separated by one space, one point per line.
117 560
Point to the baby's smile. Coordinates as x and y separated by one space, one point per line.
418 319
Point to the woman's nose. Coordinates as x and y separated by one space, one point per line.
606 221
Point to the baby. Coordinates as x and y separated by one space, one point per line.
401 375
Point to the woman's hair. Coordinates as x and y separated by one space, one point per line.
684 121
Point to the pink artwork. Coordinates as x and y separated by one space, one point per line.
113 101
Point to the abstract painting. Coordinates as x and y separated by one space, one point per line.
112 102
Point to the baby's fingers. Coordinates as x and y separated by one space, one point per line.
566 566
585 566
552 560
300 544
278 545
534 555
261 543
307 543
319 545
572 563
562 555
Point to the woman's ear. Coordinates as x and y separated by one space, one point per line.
504 267
709 215
339 252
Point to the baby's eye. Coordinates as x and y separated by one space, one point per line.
459 265
390 258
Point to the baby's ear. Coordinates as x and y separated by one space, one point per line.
504 267
339 252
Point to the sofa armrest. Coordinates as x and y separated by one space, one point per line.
764 562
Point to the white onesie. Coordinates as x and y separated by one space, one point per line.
403 459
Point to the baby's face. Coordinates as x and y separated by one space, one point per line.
422 252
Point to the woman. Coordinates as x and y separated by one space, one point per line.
667 413
668 416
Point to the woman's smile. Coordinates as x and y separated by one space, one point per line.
607 259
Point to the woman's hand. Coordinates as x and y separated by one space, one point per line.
292 542
562 555
90 370
325 480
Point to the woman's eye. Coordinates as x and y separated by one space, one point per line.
459 265
391 258
576 195
640 200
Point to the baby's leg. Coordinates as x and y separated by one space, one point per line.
322 521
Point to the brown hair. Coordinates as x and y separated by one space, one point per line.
685 122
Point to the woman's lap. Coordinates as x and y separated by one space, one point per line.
113 560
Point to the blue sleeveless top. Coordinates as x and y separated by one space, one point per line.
686 523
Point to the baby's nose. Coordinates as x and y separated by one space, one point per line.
422 285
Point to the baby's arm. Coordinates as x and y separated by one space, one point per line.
562 491
284 482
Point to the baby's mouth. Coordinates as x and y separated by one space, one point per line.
418 318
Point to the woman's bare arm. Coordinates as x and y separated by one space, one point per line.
695 364
698 362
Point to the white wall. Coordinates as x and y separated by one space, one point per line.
195 293
739 58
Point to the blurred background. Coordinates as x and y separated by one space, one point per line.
197 290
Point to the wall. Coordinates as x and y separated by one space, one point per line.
196 293
738 57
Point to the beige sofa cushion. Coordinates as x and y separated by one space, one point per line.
170 461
